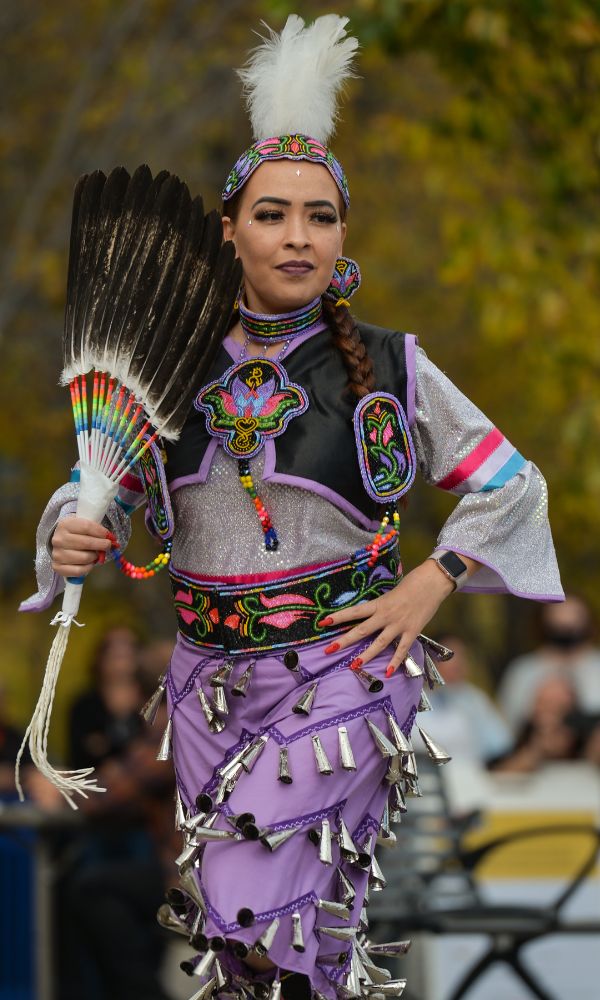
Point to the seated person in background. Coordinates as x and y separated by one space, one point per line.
566 651
552 732
464 717
105 718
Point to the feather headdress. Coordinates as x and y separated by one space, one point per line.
292 80
150 292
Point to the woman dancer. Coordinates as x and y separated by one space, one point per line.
299 663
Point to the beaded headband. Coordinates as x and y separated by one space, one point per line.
285 147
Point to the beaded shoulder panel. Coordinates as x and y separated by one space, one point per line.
251 401
152 471
386 452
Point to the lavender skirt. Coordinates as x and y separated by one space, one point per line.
287 883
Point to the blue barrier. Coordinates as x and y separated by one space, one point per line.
17 916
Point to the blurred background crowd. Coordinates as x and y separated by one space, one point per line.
472 146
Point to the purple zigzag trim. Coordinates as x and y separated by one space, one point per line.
366 824
177 696
410 718
266 915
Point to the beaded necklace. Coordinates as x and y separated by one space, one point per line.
270 535
272 329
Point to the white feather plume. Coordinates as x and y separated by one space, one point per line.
292 80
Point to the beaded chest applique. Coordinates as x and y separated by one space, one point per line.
252 400
385 449
152 471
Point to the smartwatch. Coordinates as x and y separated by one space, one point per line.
452 566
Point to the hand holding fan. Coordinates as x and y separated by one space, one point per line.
150 291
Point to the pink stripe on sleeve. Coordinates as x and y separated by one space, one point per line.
471 463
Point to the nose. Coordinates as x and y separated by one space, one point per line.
297 234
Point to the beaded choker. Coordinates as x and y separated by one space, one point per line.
271 329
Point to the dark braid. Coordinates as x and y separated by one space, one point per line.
347 339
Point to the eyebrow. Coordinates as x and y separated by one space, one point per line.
307 204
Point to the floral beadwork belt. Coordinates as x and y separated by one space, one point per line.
248 618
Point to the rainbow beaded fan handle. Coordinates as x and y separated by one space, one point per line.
150 292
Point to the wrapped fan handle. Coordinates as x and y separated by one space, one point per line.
96 493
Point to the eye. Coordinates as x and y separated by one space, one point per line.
324 217
269 215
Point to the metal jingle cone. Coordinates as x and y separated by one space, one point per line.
245 917
217 725
443 653
242 685
285 775
325 843
231 780
394 773
193 822
397 800
363 920
220 701
375 974
297 935
180 813
384 826
239 820
199 941
277 838
210 821
402 742
196 935
366 895
346 756
348 848
150 709
424 703
335 909
205 835
353 985
253 753
348 892
205 991
275 992
393 988
207 711
259 990
387 840
432 673
437 753
386 749
240 949
205 964
217 943
323 764
222 675
178 900
187 857
305 703
411 667
189 884
377 879
220 976
204 802
168 919
340 933
164 750
334 958
409 766
371 683
265 941
391 949
364 855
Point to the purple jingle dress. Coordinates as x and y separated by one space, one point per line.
290 766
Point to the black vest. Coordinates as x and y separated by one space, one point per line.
320 444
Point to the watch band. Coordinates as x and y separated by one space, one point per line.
451 566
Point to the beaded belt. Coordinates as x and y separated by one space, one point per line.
246 618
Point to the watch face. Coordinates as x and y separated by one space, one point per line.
453 564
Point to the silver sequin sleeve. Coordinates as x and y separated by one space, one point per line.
62 504
504 529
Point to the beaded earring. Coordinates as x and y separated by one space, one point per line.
344 282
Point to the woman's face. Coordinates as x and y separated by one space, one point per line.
288 234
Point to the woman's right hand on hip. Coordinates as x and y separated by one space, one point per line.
78 544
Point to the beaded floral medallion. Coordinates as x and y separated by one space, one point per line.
385 449
152 470
253 400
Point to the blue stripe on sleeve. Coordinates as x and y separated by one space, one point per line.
508 470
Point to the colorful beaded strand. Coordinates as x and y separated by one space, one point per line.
150 569
370 553
271 540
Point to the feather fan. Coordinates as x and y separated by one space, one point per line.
292 80
150 292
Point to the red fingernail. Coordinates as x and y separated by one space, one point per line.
356 664
112 537
327 621
101 558
332 648
390 670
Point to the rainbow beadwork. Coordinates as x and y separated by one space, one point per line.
272 329
271 540
150 569
284 147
